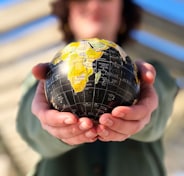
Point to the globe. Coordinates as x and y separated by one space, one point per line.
91 77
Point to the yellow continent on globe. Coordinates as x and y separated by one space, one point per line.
79 57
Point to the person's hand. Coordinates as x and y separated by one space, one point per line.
125 121
63 125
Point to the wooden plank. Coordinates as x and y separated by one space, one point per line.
172 11
139 51
163 28
22 13
173 140
9 99
14 74
17 148
45 37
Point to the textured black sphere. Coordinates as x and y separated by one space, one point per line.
91 77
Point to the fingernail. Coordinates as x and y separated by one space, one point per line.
108 122
105 133
83 126
149 74
121 114
68 121
89 134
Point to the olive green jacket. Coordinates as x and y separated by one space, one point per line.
141 155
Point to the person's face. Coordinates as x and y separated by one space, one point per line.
95 18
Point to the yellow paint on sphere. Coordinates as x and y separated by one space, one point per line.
79 57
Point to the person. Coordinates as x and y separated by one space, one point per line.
127 141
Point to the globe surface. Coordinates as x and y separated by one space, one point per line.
91 77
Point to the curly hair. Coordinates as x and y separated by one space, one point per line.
131 14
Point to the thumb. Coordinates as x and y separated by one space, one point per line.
40 71
147 72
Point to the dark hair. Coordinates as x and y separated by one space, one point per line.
131 14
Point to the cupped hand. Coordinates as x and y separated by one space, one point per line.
125 121
63 125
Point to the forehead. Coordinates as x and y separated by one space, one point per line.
103 1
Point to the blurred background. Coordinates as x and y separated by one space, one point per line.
29 34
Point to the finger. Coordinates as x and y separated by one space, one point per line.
39 71
39 102
105 134
147 103
55 118
87 137
127 127
147 71
69 131
81 139
135 112
51 117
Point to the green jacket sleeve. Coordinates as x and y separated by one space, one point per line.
30 128
167 89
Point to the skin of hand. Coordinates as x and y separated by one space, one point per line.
125 121
118 125
63 125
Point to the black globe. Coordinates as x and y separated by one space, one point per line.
91 77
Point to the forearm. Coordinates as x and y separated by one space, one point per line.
30 128
166 89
